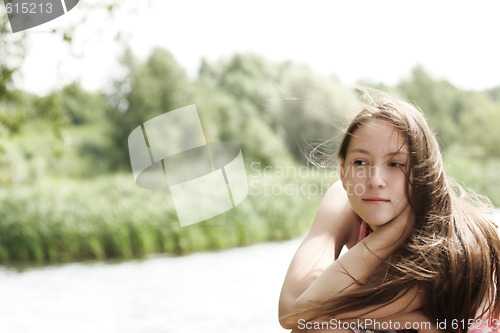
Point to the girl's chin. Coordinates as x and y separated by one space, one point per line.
376 223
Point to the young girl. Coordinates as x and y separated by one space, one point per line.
423 253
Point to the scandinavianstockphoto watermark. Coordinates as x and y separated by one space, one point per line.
290 180
26 14
306 180
170 151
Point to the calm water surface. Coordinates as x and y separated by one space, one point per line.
229 291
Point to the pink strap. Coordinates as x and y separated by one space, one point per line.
364 230
361 231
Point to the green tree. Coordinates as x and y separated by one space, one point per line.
149 89
479 125
304 109
18 108
12 49
159 85
494 93
439 100
80 106
461 118
230 119
313 110
248 77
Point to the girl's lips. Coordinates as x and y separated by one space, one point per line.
375 200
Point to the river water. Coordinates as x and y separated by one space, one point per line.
235 290
229 291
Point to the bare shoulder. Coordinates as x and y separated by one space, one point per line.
332 225
335 216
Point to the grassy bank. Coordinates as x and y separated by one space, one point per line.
61 220
476 172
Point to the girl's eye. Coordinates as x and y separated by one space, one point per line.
359 162
396 164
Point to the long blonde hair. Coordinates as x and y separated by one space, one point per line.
452 255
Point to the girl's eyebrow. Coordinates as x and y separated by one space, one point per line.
359 150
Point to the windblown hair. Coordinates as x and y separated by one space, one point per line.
451 256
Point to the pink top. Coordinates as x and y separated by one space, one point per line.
364 230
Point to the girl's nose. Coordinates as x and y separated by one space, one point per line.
375 178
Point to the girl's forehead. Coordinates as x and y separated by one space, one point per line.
377 136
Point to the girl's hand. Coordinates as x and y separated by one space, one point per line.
359 262
389 236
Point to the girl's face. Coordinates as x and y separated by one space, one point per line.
373 172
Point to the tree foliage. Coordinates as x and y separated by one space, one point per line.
439 100
273 111
303 108
467 119
248 77
230 112
81 107
313 110
149 89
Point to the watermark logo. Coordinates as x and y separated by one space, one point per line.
204 179
26 14
290 180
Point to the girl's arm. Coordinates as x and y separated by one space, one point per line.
330 230
359 262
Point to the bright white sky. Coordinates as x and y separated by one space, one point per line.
377 40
